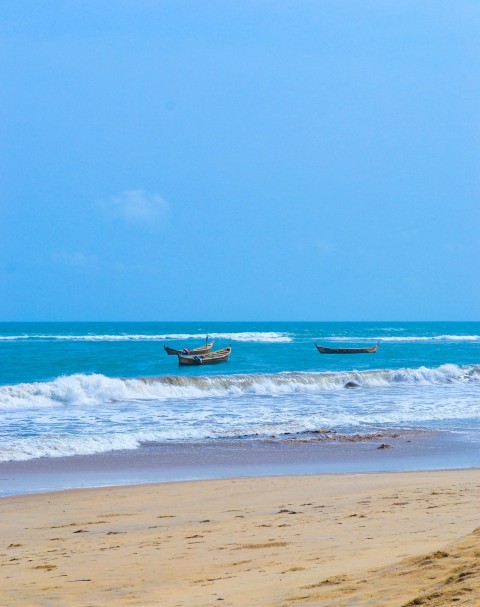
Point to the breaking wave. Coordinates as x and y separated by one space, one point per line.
80 389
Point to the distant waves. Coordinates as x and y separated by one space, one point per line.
243 336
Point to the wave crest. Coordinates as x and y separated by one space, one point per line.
80 389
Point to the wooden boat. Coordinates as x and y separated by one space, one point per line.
201 350
324 350
205 359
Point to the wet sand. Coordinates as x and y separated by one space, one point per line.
388 539
311 453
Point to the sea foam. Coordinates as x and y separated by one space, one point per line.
242 336
81 389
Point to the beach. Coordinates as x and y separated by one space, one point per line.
347 539
280 478
239 323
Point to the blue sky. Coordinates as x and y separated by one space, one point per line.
239 160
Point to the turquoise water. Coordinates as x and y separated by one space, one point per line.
43 351
75 388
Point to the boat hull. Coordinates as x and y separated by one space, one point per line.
212 358
324 350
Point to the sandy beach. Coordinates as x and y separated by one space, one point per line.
337 540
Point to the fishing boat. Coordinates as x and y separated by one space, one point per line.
201 350
324 350
205 359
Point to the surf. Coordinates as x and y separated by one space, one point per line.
88 390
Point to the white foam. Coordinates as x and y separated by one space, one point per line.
66 446
77 432
80 389
81 415
255 336
88 390
243 336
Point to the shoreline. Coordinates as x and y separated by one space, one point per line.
160 463
282 541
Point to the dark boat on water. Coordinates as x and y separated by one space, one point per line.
205 359
201 350
324 350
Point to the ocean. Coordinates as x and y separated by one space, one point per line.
72 389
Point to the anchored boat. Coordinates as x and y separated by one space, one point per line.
205 359
324 350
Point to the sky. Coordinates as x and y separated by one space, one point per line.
239 160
